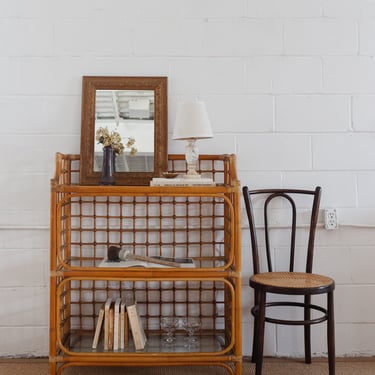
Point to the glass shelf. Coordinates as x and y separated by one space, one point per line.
81 343
77 262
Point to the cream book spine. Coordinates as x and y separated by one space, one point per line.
98 329
107 307
122 325
136 327
116 324
111 327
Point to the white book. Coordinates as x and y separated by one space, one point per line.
98 329
111 326
107 307
123 325
136 326
157 181
116 329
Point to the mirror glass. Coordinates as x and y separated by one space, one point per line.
131 114
135 108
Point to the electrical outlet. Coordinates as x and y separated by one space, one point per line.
330 218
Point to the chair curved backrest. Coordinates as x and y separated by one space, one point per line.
290 196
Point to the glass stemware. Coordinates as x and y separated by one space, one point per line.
168 324
192 325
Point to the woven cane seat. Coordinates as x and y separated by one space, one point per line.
295 280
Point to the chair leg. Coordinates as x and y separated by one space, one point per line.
307 330
255 339
256 329
261 324
331 334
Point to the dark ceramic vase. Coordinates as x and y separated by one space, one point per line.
108 168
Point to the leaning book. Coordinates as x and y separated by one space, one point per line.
136 326
98 329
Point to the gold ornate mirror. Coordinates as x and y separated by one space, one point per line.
135 108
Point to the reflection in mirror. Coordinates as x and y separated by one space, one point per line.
131 114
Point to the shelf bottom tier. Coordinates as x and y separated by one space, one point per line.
81 342
211 350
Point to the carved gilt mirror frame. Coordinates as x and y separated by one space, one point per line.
137 108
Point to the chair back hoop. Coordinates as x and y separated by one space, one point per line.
289 195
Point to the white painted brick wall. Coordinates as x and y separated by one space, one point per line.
363 113
284 74
313 113
285 9
243 113
366 40
320 37
351 151
289 87
346 196
366 185
203 76
349 75
279 150
349 8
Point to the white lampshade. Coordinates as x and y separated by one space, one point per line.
192 121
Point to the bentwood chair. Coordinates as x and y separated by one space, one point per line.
288 283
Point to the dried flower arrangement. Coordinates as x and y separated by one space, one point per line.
113 139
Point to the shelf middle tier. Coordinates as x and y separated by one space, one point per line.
201 227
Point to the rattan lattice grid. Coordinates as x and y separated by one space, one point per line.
79 301
192 225
171 226
146 221
217 167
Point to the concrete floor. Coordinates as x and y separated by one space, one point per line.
272 366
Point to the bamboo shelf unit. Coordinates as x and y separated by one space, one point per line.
199 222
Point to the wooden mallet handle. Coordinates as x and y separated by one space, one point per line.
151 260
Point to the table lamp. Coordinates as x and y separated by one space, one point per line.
192 123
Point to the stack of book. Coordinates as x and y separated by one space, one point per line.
158 181
114 320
